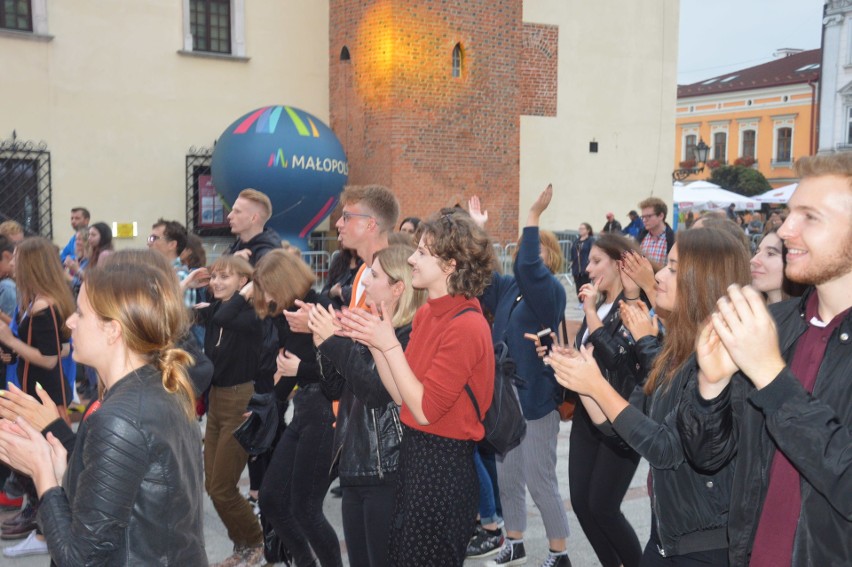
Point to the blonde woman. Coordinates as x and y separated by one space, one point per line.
450 348
369 431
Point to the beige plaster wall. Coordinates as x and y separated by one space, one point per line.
119 107
617 86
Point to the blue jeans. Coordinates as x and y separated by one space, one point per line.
487 502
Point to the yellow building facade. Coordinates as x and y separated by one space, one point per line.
120 93
764 116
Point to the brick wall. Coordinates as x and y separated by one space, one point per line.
539 69
406 122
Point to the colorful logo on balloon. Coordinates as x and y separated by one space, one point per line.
292 157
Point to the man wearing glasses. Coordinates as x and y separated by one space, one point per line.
658 237
369 215
169 239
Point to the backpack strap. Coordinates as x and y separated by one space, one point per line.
473 399
466 386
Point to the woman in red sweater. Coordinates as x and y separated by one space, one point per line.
450 347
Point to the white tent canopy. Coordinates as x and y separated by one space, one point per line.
779 195
706 196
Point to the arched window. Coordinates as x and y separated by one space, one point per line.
344 54
458 57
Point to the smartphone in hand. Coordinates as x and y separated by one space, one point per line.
545 337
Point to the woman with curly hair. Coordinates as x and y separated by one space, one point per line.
449 350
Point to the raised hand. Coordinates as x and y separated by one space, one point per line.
248 291
638 268
25 449
748 333
638 320
577 370
588 294
539 205
196 279
322 321
298 320
368 328
715 367
15 403
474 208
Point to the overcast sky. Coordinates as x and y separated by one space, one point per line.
719 36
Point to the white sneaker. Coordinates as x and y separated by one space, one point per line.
30 546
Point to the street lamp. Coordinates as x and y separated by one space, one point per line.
701 152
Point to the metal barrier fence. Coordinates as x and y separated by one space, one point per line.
505 255
319 262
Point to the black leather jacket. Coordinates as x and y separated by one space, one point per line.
814 431
690 508
614 351
368 431
133 491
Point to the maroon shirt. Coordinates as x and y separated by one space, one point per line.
773 543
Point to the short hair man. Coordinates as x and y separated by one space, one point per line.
634 228
12 230
611 225
79 219
168 238
247 218
657 237
369 214
787 412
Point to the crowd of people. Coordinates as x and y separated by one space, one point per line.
725 368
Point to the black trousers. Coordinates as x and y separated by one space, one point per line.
436 503
599 474
367 514
297 480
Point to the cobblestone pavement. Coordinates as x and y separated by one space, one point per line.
635 507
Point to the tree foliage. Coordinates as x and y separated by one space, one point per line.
739 179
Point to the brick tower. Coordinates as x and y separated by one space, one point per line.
426 98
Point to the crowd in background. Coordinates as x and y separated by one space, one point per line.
718 352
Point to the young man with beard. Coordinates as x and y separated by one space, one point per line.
774 389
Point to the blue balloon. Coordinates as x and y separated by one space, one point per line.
292 157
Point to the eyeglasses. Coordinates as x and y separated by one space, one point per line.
646 217
347 216
153 238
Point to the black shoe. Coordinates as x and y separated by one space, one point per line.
512 553
557 560
484 544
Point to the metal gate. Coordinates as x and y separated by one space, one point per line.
25 185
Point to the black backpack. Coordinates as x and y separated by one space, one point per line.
504 421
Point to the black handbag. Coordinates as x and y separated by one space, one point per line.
256 434
274 550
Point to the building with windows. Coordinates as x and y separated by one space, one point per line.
439 101
835 120
763 116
